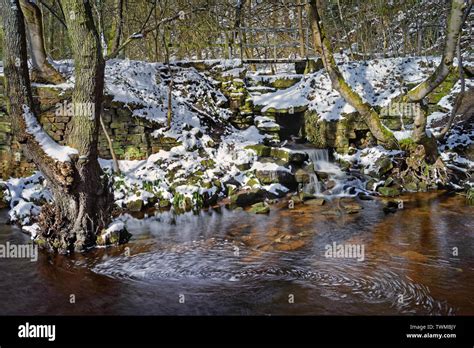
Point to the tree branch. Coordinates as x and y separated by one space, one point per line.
144 31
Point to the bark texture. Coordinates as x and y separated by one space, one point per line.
42 70
81 194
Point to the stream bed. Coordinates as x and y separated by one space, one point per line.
417 260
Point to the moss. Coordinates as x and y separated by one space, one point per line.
260 149
407 144
470 196
252 182
284 82
260 208
389 191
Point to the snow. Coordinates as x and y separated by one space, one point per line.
378 81
201 164
403 134
265 122
270 167
275 189
49 146
367 157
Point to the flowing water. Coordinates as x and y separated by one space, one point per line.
233 262
320 163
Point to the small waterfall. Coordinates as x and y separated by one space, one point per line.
340 183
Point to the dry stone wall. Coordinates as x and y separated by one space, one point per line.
131 135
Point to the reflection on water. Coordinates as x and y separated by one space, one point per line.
225 262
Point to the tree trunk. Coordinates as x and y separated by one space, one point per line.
301 29
456 19
323 47
117 27
87 208
42 70
453 30
81 195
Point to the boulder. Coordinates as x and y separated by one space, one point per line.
135 206
246 198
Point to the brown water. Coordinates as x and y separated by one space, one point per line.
227 262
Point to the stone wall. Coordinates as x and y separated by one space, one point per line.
131 135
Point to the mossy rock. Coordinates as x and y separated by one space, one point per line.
260 208
246 198
302 176
253 182
285 82
411 186
164 203
260 149
383 165
114 238
288 156
388 191
135 206
275 176
271 111
408 144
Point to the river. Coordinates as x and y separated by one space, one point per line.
236 263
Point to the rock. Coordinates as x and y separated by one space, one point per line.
296 199
322 175
260 149
383 165
3 199
307 196
388 191
164 203
371 184
116 235
411 186
365 197
301 176
313 65
135 206
352 207
276 176
284 82
243 166
391 207
288 156
231 189
330 184
315 201
260 208
246 198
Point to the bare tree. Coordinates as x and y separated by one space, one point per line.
81 193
